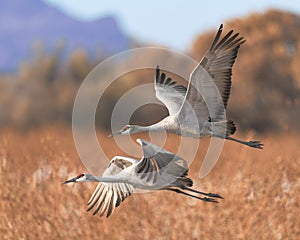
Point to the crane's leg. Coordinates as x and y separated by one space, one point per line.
205 199
214 195
254 144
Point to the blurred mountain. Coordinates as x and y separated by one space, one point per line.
26 22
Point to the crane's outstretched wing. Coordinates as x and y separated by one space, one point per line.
210 82
108 196
170 94
159 165
219 60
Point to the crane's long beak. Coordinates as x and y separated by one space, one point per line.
69 181
115 134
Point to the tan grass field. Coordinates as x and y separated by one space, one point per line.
261 190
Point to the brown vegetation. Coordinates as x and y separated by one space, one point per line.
261 190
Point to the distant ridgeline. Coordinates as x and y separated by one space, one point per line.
24 23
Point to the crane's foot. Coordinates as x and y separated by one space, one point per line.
255 144
214 195
206 199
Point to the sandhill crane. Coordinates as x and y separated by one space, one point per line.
157 170
183 102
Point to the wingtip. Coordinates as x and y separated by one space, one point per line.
219 32
157 73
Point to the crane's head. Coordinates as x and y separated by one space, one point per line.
126 130
83 177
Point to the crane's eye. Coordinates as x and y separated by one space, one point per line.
80 175
125 128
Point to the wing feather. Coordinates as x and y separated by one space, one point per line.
158 162
210 82
108 196
219 60
170 94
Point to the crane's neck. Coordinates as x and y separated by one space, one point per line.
152 128
92 178
168 124
157 127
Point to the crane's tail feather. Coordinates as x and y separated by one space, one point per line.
184 182
223 128
230 128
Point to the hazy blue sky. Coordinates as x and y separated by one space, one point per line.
174 23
